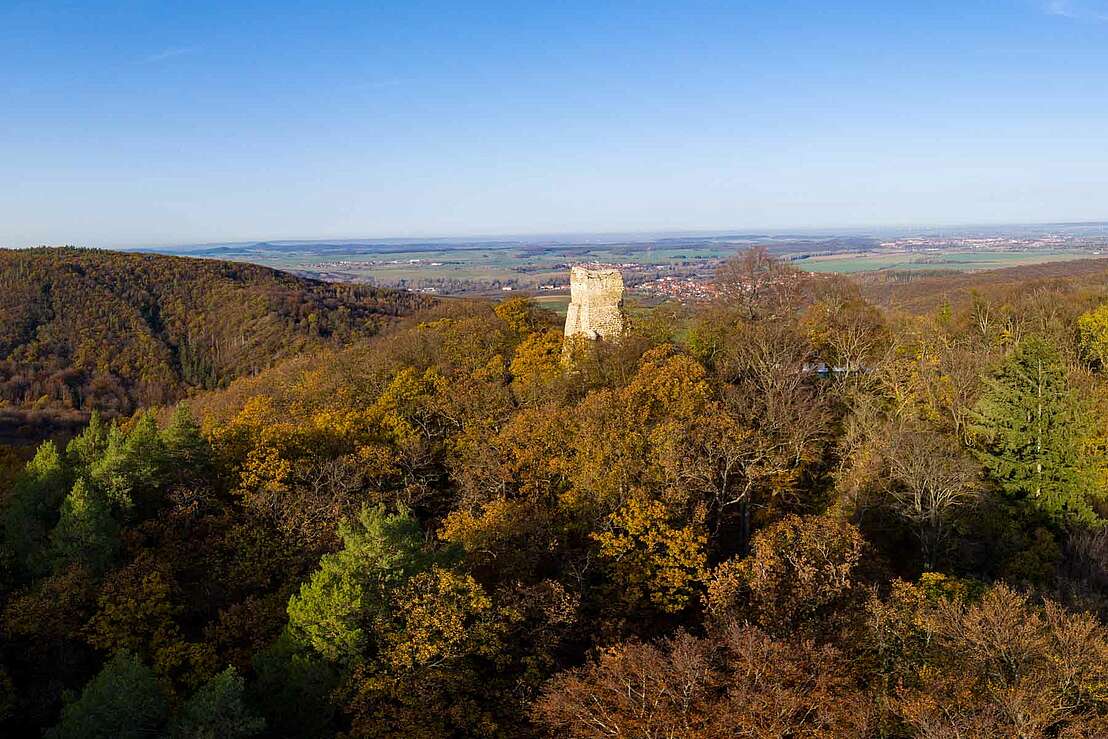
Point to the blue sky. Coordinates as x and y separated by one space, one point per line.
142 122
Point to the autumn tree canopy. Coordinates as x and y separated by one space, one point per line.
791 512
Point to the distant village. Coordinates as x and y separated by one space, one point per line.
684 277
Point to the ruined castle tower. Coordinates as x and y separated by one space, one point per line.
596 304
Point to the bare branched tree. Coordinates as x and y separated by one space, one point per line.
930 478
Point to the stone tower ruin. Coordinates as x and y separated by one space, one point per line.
596 304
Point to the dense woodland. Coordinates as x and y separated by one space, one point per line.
790 513
84 330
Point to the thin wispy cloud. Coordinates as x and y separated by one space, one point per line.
1078 10
169 53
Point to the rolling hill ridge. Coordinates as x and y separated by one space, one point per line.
84 329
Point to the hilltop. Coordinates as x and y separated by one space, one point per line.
84 329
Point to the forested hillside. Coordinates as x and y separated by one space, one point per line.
444 531
84 329
923 291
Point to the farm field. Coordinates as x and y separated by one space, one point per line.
650 266
463 269
961 261
557 303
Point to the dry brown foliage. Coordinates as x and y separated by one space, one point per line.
745 684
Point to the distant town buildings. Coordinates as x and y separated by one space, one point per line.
681 289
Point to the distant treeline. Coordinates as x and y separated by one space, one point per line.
924 290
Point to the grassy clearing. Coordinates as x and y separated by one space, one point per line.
557 303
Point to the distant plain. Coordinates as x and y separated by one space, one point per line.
541 264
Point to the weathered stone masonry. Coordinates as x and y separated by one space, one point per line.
596 304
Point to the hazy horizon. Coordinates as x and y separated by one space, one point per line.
879 230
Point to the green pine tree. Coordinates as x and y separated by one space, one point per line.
134 467
32 508
147 462
1030 429
292 687
217 711
123 701
332 611
86 533
110 471
89 445
187 450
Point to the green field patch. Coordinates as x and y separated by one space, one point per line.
962 261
